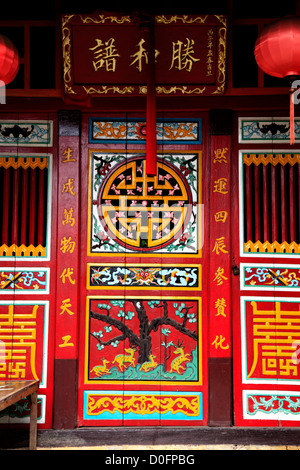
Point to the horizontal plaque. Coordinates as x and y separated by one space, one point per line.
109 55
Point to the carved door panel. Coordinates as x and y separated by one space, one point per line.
141 357
27 258
267 313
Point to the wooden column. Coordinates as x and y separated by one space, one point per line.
67 311
220 356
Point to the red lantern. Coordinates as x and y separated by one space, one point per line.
9 60
277 53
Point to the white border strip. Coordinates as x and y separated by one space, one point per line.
260 415
8 419
273 288
30 291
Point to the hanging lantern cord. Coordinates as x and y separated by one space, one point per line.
147 24
277 53
294 85
151 157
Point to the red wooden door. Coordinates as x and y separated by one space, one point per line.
266 313
142 347
27 257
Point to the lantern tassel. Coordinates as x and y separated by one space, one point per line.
292 117
151 157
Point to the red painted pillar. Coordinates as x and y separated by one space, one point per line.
220 351
67 310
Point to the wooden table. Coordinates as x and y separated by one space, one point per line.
11 391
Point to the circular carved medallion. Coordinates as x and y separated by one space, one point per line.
144 213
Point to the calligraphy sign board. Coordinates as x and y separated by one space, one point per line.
108 55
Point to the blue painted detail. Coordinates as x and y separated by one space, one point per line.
117 415
129 134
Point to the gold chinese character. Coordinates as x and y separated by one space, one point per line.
220 246
65 307
182 55
67 244
221 216
68 187
220 155
68 154
275 336
210 54
220 305
18 338
67 274
220 186
66 343
219 276
218 342
141 56
68 217
105 54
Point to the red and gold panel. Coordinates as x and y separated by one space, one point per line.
143 361
24 340
159 407
266 313
144 340
24 355
141 341
28 190
271 340
144 214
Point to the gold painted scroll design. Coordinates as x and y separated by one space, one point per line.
143 404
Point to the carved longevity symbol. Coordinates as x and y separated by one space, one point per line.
141 212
